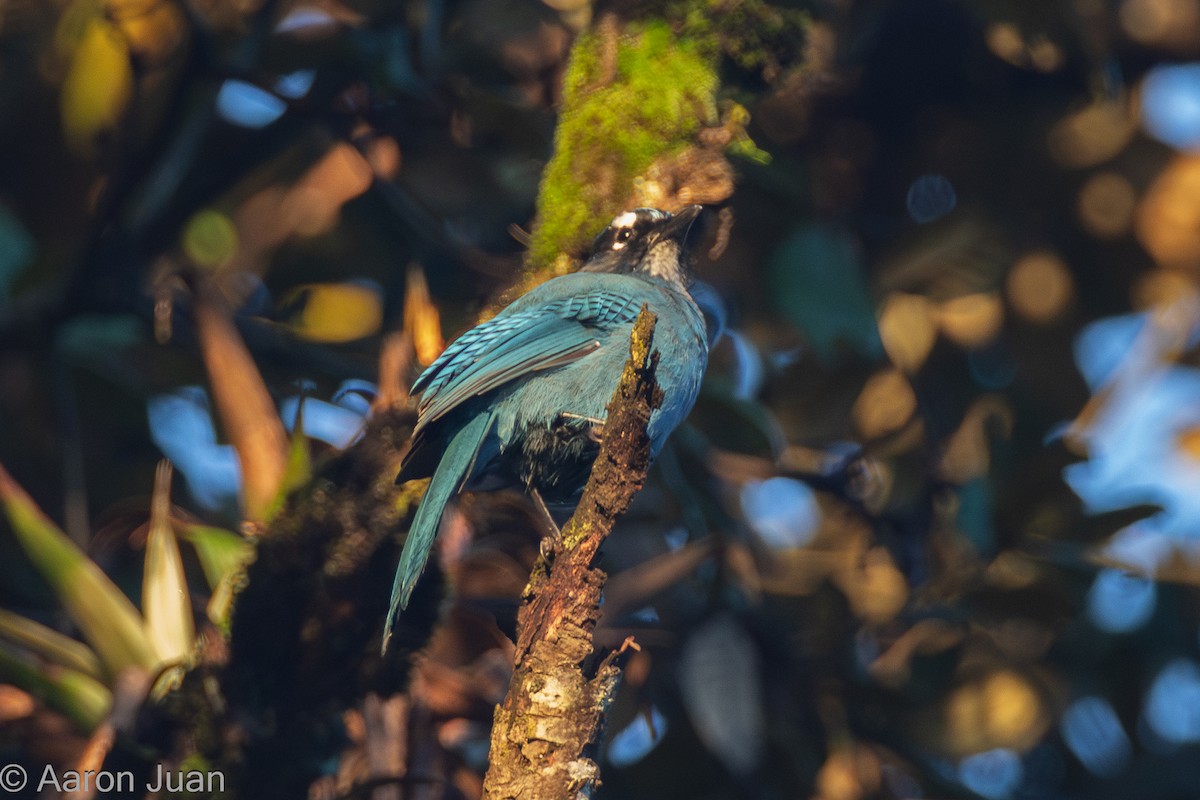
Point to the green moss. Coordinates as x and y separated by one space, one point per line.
633 98
614 126
753 34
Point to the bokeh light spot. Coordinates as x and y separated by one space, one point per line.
907 330
1120 602
1160 288
1174 24
1171 105
1106 203
210 238
1005 41
971 320
247 105
1091 729
296 85
930 197
1188 441
633 742
1092 135
17 249
1168 219
995 774
1000 710
782 511
333 424
1040 286
182 428
1172 707
887 402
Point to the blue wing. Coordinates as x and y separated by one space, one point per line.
516 343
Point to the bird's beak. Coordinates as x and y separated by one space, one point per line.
680 224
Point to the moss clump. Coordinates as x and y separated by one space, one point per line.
753 34
621 111
636 94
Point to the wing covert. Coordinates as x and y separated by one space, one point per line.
511 345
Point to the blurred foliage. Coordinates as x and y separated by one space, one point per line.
930 530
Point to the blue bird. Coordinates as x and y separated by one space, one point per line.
520 400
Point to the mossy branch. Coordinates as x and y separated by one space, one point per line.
635 95
546 730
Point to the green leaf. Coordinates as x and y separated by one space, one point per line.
223 555
82 698
104 615
166 603
221 552
49 644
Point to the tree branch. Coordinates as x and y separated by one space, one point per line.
546 730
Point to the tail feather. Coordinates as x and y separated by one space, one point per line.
455 467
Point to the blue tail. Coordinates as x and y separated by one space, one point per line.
452 471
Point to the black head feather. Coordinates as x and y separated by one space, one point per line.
646 241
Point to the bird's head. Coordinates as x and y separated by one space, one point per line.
645 241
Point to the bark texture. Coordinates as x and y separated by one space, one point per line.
546 730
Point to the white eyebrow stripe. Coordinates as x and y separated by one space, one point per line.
626 220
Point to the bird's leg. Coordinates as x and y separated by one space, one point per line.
596 432
553 535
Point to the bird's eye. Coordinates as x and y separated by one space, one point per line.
625 235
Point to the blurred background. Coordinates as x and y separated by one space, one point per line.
933 529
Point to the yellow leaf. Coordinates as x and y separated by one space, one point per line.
421 319
166 603
98 86
73 23
336 312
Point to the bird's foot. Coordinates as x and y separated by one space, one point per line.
595 432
